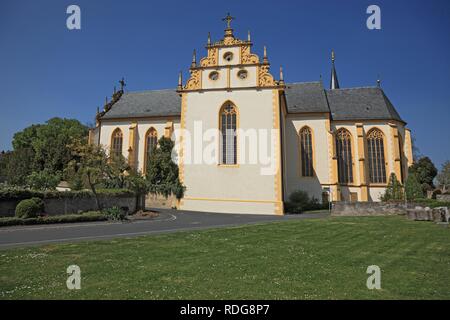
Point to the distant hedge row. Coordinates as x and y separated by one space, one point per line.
19 194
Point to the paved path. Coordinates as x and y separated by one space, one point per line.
167 221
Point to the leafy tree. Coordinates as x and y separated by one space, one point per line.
43 147
413 189
90 164
43 180
425 172
394 190
118 169
162 172
18 166
137 183
444 176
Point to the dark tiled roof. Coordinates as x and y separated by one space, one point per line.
306 97
360 103
344 104
150 103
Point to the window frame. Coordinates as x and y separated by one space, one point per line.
112 150
352 162
312 147
147 135
221 163
384 154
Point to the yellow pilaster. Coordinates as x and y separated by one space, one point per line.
279 207
168 129
362 162
132 145
408 147
396 154
334 186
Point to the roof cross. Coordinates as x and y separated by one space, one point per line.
228 19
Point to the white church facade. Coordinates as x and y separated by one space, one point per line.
244 141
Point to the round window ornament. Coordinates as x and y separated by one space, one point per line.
228 56
242 74
214 75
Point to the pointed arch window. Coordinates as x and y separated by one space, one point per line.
375 152
344 156
116 143
306 152
151 141
228 126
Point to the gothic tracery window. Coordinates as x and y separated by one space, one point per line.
116 143
151 141
306 152
375 152
228 119
344 156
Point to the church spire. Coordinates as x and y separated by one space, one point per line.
180 81
334 83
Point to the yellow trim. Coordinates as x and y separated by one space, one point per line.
182 127
313 147
111 140
132 139
386 159
151 129
396 153
408 146
279 208
364 192
220 164
231 200
333 174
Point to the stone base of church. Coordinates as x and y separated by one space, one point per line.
232 206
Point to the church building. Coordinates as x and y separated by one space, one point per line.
245 140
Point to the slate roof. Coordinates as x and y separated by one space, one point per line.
306 97
360 103
151 103
344 104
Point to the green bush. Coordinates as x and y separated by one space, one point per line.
432 203
29 208
299 202
84 217
413 189
43 180
394 190
114 213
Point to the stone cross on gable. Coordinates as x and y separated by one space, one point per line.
228 19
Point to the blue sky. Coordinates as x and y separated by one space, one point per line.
47 70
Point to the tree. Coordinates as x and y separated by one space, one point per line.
425 172
17 166
162 172
444 176
394 190
44 147
413 189
89 163
118 169
137 183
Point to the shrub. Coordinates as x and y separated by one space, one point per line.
84 217
413 189
299 202
43 180
114 213
29 208
394 190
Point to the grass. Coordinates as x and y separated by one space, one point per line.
296 259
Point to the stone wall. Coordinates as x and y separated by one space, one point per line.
369 208
160 202
67 205
443 197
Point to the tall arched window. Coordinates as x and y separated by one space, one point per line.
228 125
344 156
375 152
116 143
151 141
306 152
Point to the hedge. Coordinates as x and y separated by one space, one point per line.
84 217
19 194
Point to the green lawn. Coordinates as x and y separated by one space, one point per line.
297 259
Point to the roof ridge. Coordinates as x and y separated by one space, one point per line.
302 82
153 90
355 88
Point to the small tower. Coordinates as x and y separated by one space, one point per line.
334 83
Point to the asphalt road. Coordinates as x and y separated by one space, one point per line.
167 221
